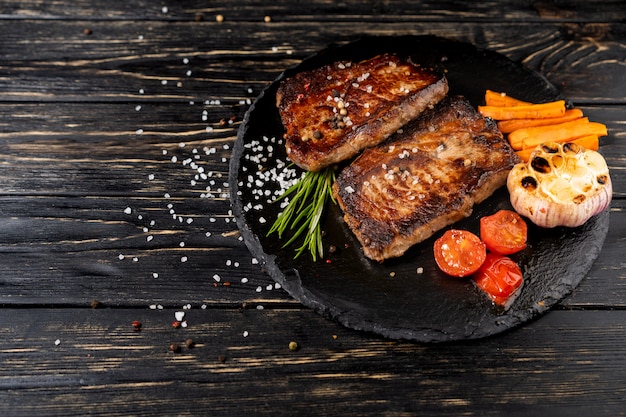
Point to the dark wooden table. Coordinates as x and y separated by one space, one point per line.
107 109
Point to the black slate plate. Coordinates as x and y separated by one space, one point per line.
394 299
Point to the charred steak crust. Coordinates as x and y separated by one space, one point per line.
333 112
425 177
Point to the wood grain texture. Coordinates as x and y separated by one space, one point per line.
571 10
120 58
103 365
116 126
58 251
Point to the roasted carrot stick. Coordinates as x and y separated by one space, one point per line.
493 98
528 111
589 142
508 126
563 132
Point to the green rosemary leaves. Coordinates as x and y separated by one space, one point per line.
303 214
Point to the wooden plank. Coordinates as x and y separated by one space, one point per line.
103 149
572 10
68 251
58 247
120 58
65 361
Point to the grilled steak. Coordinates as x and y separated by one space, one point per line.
423 178
333 112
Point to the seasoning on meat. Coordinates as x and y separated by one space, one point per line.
331 113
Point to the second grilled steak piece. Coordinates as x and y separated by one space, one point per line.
333 112
423 178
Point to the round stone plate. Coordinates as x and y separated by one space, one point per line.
408 297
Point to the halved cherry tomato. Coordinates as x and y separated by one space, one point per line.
459 252
499 277
504 232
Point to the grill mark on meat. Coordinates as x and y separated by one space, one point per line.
430 175
333 112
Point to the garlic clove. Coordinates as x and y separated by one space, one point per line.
561 185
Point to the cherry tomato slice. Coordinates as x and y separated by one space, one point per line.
504 232
459 253
499 277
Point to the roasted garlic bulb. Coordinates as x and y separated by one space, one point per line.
561 185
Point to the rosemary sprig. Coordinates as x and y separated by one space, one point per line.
303 214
